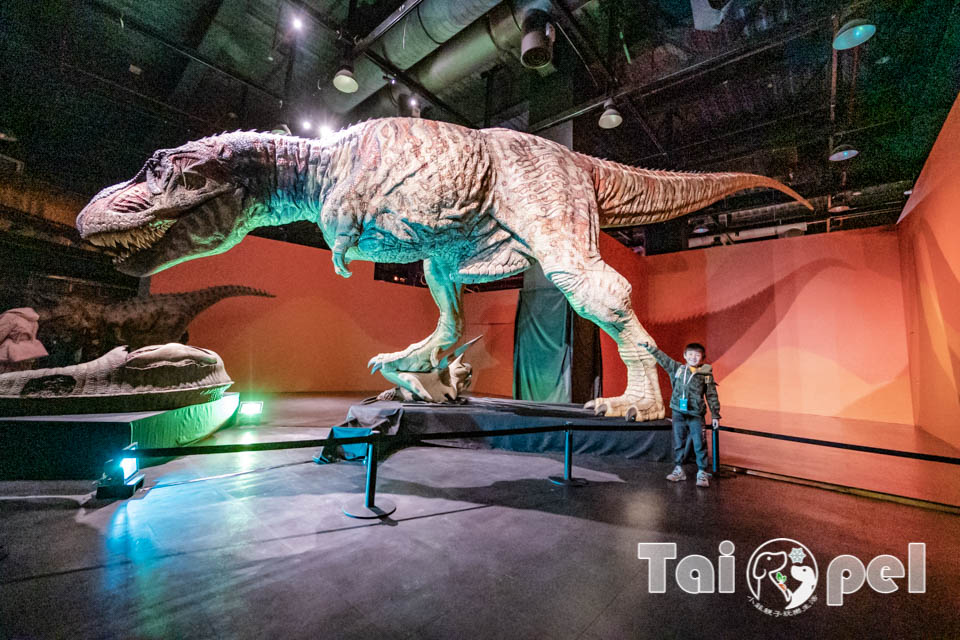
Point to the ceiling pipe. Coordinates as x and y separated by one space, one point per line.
477 48
696 70
891 192
409 40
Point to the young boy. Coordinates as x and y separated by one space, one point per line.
691 382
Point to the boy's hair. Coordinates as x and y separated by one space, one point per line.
696 346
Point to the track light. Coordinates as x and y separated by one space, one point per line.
306 124
297 23
842 152
345 81
610 118
536 43
853 33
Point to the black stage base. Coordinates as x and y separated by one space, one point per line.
652 441
75 447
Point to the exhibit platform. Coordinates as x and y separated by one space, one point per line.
73 447
597 435
883 474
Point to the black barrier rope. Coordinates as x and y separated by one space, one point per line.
329 442
165 452
929 457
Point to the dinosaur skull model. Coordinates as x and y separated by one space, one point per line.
152 378
473 205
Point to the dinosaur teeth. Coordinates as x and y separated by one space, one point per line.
132 240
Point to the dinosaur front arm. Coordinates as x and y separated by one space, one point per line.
343 242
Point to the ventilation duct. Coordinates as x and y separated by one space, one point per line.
475 49
410 40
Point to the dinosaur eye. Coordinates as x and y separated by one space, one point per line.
193 181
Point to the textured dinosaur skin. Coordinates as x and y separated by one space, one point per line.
96 327
474 205
153 378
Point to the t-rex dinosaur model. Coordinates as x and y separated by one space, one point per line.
474 205
157 377
94 327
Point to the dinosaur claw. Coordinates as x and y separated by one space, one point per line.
589 405
376 367
631 414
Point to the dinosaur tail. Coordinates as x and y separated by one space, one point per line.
197 301
629 196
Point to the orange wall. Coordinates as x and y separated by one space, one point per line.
321 329
809 325
930 254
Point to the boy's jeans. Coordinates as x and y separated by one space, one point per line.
686 424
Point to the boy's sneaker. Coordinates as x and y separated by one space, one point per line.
677 474
702 479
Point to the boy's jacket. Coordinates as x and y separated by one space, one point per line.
699 384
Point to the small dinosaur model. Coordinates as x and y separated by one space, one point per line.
473 205
149 379
95 327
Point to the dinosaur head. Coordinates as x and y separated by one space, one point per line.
184 203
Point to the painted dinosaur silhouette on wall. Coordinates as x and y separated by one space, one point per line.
93 328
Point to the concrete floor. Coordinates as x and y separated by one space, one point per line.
254 545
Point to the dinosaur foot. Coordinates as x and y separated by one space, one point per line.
409 359
627 406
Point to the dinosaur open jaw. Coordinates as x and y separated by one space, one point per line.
131 241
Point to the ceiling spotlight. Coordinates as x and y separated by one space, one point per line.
853 33
297 23
345 81
413 102
838 203
610 118
306 124
702 225
842 152
325 130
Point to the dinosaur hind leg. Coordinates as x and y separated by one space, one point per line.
601 295
422 356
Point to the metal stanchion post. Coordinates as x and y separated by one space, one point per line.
567 480
367 507
716 450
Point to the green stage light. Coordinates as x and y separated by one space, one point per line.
250 412
853 33
251 408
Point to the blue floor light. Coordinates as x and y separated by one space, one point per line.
120 478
